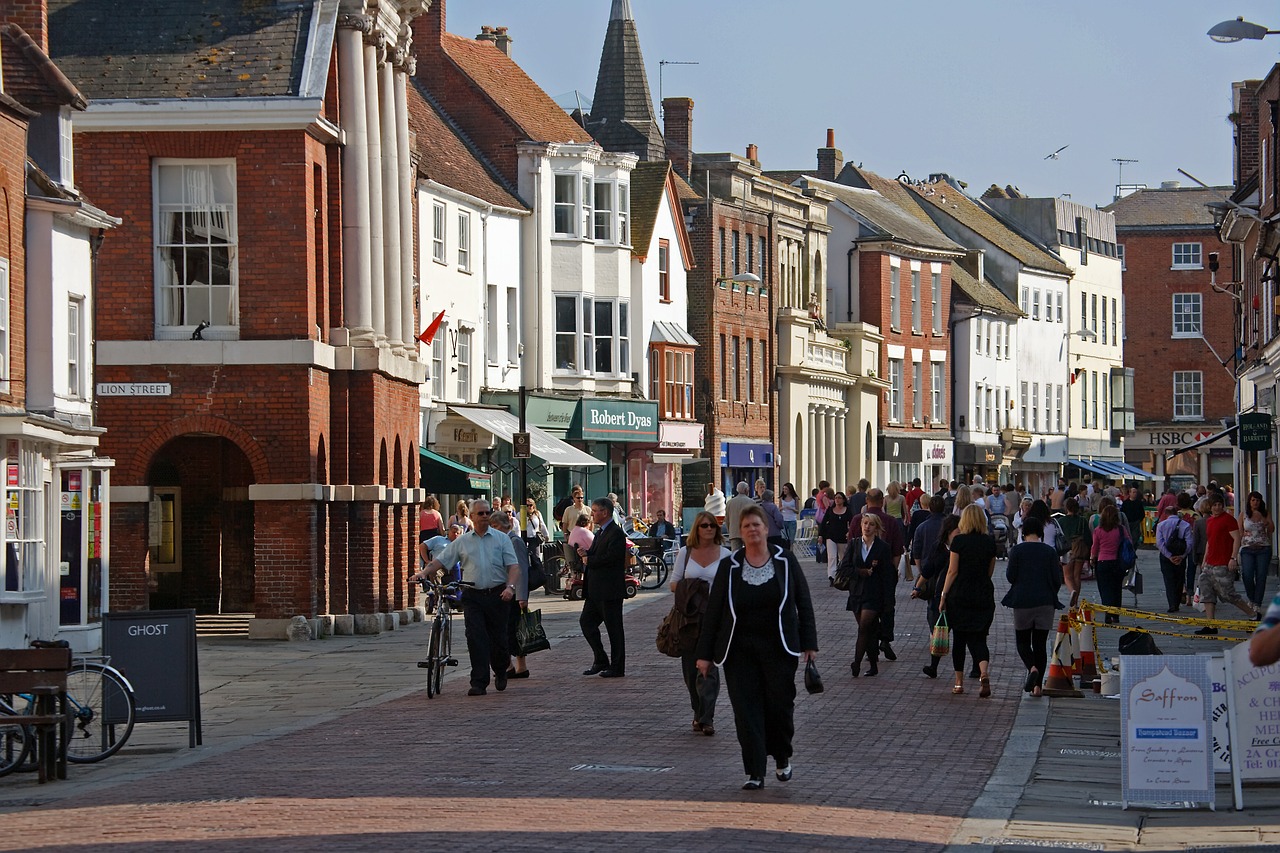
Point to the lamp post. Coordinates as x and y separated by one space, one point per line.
1239 30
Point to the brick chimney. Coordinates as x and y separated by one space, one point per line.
1245 108
753 154
677 127
31 15
502 40
428 30
486 34
830 159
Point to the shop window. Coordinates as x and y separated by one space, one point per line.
26 509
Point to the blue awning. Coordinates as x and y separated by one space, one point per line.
450 477
1114 468
1091 466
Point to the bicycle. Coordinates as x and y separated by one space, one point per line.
440 643
651 568
15 741
102 708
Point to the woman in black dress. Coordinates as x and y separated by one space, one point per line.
969 597
834 531
758 625
1035 576
869 566
929 585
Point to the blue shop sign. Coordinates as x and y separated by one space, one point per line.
738 455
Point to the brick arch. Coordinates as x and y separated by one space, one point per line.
207 424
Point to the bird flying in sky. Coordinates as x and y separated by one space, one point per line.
1054 155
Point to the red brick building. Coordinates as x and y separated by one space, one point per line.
1177 329
258 374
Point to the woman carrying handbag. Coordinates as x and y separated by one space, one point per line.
868 568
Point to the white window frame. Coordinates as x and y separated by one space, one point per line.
935 287
602 217
916 326
1191 306
977 407
29 502
584 335
1035 304
513 325
937 377
438 211
587 206
624 214
895 390
75 348
1188 256
437 364
1035 406
1026 423
1120 255
565 210
492 324
1188 395
1026 301
463 364
1057 411
895 298
464 241
917 380
178 307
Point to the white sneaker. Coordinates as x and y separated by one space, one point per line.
783 773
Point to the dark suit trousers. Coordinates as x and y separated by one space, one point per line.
1173 580
610 613
761 678
486 627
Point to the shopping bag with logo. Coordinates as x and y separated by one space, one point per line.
530 637
940 639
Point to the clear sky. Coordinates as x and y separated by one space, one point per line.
982 90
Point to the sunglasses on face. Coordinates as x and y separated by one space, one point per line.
708 526
480 512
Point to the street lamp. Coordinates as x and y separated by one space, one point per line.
1239 30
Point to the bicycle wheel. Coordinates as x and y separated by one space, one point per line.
434 660
446 639
651 571
15 743
102 710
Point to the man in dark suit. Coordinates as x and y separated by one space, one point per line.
605 586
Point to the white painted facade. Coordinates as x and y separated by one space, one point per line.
648 308
1042 367
469 268
985 371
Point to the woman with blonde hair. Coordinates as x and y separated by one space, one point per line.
969 597
964 497
461 516
894 502
697 562
869 566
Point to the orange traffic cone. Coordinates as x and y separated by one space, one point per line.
1088 660
1073 624
1059 681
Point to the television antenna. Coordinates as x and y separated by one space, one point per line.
662 65
1120 162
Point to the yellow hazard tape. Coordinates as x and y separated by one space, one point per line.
1228 624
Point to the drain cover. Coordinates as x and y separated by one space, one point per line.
621 768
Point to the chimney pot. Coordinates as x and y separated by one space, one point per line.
831 137
753 153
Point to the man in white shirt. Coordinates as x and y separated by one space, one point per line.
733 512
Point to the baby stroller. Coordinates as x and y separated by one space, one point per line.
1000 532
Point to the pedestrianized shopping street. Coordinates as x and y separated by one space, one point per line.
333 744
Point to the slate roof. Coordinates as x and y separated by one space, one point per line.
648 186
981 293
506 84
180 48
31 77
943 198
622 117
685 191
1168 208
447 157
894 220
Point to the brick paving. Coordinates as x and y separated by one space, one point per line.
557 762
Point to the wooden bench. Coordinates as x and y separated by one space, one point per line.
41 673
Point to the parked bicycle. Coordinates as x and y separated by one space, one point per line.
102 707
651 568
440 643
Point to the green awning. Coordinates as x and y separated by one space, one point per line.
445 476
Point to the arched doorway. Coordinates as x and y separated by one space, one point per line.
201 526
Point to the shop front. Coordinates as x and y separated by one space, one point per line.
901 460
450 465
937 460
745 462
977 460
625 434
1182 453
679 442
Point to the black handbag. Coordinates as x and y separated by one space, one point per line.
530 637
812 679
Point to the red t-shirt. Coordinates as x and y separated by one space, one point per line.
913 495
1218 544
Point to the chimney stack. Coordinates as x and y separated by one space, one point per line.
32 16
753 154
486 34
502 40
830 159
677 127
428 30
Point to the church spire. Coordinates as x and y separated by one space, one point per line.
622 117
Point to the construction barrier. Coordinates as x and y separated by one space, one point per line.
1059 681
1088 608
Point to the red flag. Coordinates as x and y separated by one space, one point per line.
429 334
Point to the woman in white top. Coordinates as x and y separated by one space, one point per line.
789 503
699 560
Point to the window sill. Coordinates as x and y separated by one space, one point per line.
895 329
464 270
1186 267
441 261
1185 336
666 301
570 238
22 597
917 333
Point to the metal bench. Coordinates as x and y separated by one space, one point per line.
41 674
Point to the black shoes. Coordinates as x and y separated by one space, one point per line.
1208 632
476 691
887 651
856 668
500 680
1032 679
930 671
784 773
511 673
612 673
595 669
873 671
974 673
754 783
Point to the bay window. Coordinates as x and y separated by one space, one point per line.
592 336
671 380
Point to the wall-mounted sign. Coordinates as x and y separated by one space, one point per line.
680 436
134 389
1255 431
616 420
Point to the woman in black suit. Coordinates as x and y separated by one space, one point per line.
868 564
758 625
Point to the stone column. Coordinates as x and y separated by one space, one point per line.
820 443
832 441
377 258
390 205
842 444
408 332
356 293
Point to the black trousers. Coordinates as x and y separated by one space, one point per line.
485 614
1032 649
610 613
974 642
761 678
1174 578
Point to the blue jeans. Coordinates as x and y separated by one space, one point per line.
789 530
1254 564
